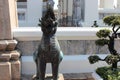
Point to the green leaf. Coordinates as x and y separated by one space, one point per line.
101 42
103 33
112 20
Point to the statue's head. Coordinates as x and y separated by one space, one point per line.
48 22
50 3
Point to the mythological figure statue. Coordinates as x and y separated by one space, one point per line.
49 50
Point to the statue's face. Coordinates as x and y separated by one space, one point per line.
48 27
49 30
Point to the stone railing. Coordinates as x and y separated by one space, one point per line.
76 43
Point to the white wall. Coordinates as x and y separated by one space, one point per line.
34 12
91 12
70 63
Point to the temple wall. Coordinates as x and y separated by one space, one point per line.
69 47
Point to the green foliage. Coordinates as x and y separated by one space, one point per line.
110 59
103 33
107 74
116 21
105 36
112 20
101 42
93 59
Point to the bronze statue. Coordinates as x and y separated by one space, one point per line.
49 50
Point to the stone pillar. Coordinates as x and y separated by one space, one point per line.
109 4
9 57
118 4
8 18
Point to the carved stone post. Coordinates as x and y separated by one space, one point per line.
9 57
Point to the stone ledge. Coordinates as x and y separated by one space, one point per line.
11 45
5 57
9 55
8 45
3 45
15 55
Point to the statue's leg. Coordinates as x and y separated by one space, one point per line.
35 57
42 69
37 68
55 67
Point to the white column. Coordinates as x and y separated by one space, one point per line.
101 3
118 4
109 4
91 11
34 12
70 7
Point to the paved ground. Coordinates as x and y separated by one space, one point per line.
67 76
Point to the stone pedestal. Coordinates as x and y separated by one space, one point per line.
5 71
10 67
15 70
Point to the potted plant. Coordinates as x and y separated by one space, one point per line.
107 37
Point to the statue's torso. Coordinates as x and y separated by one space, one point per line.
49 47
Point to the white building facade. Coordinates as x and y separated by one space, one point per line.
85 12
29 12
71 13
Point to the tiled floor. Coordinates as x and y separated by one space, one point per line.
67 76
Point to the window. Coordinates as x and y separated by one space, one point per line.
21 16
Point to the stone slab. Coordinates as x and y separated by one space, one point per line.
15 55
3 45
11 45
5 57
49 77
5 71
16 70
